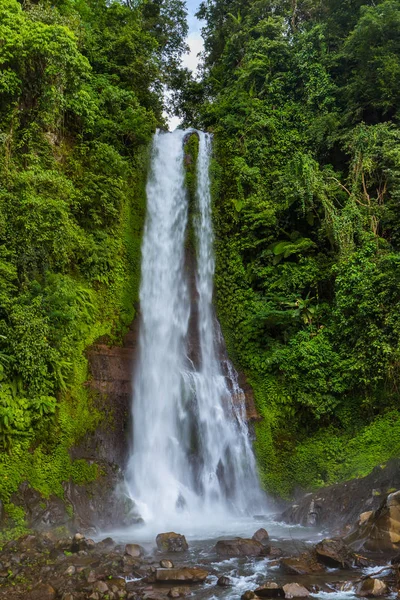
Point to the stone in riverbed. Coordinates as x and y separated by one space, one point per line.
371 588
250 595
294 590
178 592
240 547
270 590
171 542
42 591
187 574
304 564
101 587
381 531
224 581
134 550
166 564
261 535
334 553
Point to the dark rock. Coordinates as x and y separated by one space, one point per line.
187 574
166 564
371 588
179 592
305 564
381 531
239 547
224 581
294 590
334 553
171 542
342 504
261 535
275 552
250 595
42 591
270 590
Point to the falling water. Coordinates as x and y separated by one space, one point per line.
191 455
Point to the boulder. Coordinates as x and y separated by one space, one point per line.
341 504
270 590
176 575
261 535
380 532
42 591
171 542
295 590
239 547
371 588
305 564
134 550
334 553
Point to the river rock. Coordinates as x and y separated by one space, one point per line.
372 588
295 590
224 581
239 547
261 535
171 542
178 592
188 574
305 564
334 553
166 564
101 587
134 550
270 590
249 595
381 531
42 591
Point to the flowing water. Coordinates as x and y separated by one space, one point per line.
191 460
192 468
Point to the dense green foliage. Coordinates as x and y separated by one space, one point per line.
303 99
80 96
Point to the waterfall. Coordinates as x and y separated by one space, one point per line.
191 456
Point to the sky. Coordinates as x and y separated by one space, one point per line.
195 43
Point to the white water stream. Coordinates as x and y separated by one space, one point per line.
192 462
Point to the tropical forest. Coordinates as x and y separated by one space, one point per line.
199 299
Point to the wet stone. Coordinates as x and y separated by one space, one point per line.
224 581
187 574
295 590
371 588
179 592
171 542
166 564
239 547
134 550
270 590
261 535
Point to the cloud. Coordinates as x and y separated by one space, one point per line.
196 45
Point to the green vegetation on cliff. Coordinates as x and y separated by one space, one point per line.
303 98
80 97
